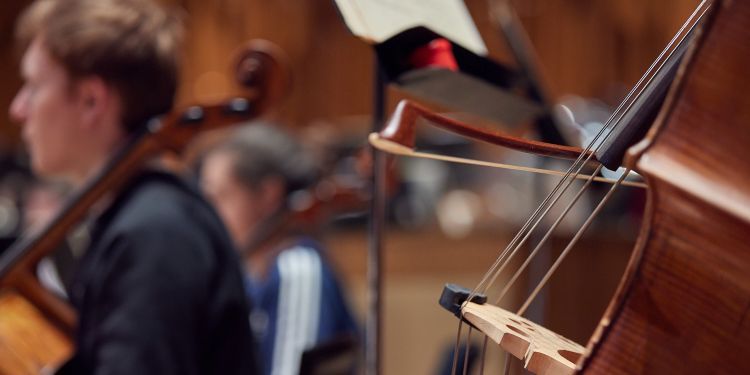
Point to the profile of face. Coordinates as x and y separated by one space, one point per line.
53 113
241 208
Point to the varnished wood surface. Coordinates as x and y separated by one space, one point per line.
401 129
683 307
29 344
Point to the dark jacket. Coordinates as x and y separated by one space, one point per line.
160 290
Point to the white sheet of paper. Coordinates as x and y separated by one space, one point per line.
378 20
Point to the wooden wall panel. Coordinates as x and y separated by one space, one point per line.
584 47
9 69
331 69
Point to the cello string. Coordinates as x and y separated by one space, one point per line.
541 243
620 112
543 208
539 214
515 245
482 356
506 363
562 256
395 148
700 11
580 156
629 104
520 233
466 351
454 365
684 31
702 8
570 245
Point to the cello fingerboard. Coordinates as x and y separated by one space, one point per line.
541 350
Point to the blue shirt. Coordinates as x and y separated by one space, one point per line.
299 305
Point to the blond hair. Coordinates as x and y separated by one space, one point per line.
133 45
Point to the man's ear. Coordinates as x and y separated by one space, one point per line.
94 100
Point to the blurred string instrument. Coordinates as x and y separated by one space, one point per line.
36 326
342 189
682 305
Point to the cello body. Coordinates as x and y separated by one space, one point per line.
683 304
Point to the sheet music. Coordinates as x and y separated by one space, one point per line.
378 20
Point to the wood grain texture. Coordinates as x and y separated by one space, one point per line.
542 351
29 344
683 306
584 48
401 129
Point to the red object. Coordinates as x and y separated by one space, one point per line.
438 53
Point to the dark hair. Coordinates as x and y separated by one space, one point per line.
263 150
133 45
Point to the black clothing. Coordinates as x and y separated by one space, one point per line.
159 290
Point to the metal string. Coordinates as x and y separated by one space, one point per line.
700 11
703 7
570 245
609 126
553 197
466 351
570 205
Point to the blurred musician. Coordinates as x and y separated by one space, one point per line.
297 301
159 290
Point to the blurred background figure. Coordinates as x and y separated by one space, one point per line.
252 178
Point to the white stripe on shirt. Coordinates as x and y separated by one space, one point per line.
298 310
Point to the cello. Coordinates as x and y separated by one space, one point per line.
36 326
682 304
